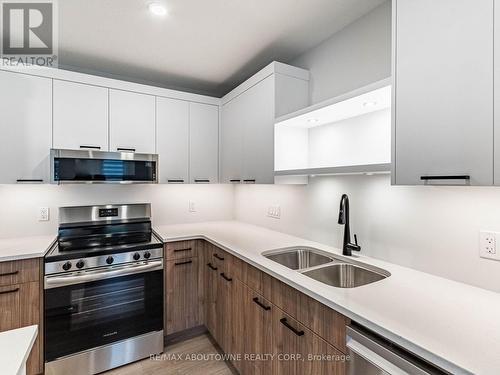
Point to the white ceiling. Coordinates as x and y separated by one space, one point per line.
204 46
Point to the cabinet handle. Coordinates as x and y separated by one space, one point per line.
9 273
249 181
201 180
29 181
457 177
294 330
225 277
235 181
180 250
256 300
181 263
175 181
10 291
125 149
218 256
212 267
91 147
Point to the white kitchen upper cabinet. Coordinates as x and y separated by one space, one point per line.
258 133
247 121
443 92
203 143
172 139
25 127
80 116
131 122
231 155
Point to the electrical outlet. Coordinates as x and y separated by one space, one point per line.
43 214
488 245
274 212
192 206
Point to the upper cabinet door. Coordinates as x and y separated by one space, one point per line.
25 128
231 153
443 99
258 132
172 139
131 122
80 116
203 143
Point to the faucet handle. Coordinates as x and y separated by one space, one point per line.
355 246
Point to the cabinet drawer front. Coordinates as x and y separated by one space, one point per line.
19 271
312 354
180 250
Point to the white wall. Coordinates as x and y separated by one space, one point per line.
19 204
432 229
357 55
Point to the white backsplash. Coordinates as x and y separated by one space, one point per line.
19 204
433 229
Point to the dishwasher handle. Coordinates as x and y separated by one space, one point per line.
384 359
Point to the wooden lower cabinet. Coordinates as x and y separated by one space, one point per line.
181 290
257 335
264 325
299 351
20 304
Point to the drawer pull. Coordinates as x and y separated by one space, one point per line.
91 147
180 250
29 181
218 256
235 181
225 277
201 180
249 181
9 273
10 291
458 177
181 263
175 181
211 266
125 149
294 330
256 300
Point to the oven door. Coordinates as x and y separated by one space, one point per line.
107 306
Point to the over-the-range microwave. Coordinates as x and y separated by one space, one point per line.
94 166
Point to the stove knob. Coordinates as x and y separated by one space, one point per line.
147 255
109 260
66 266
137 256
80 264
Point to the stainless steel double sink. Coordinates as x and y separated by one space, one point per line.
327 268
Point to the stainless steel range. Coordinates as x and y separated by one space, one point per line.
103 290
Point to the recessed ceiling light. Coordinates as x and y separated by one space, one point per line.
157 9
370 104
312 120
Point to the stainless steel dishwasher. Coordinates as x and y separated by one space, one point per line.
371 354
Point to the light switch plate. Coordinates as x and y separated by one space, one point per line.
488 245
192 206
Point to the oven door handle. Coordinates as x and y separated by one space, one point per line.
60 281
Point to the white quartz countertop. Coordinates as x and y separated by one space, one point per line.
453 325
25 247
15 347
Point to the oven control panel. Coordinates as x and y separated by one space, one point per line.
103 261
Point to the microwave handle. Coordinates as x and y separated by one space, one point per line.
63 280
